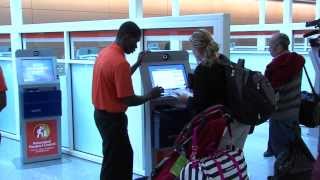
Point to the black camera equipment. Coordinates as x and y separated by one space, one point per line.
314 42
316 24
313 23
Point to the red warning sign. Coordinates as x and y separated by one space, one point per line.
41 138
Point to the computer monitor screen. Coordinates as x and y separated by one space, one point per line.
172 76
37 70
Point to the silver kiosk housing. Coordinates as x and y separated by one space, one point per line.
40 105
152 124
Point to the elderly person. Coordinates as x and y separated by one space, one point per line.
285 73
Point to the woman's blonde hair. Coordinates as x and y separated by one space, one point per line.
202 39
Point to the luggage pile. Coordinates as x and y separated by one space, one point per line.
196 153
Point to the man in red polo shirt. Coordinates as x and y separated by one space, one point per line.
3 97
112 93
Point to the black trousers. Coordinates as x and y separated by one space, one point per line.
117 161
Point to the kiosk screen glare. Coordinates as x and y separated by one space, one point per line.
168 76
37 70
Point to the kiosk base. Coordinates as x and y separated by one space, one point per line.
167 123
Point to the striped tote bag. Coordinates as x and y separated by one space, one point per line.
225 165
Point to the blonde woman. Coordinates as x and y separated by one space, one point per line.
208 80
208 83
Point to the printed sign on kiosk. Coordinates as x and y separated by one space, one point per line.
40 105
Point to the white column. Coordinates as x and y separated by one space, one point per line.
287 11
317 9
175 44
15 37
68 90
261 42
175 8
262 11
135 9
287 21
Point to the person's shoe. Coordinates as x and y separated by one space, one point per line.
267 153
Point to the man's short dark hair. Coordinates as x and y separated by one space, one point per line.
129 28
283 40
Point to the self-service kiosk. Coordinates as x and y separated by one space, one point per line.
40 105
164 117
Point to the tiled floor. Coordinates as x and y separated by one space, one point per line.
71 168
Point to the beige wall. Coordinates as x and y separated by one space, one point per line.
242 11
274 12
152 8
303 12
5 18
40 11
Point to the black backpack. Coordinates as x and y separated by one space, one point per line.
250 95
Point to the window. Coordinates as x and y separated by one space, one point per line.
52 41
5 45
300 43
172 39
243 43
158 45
86 45
250 40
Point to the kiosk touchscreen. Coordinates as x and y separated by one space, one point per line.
37 70
163 119
40 105
169 76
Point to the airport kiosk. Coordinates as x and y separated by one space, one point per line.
40 105
163 117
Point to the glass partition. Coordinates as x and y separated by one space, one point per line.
86 135
86 45
53 41
171 39
157 45
5 45
250 40
243 43
299 43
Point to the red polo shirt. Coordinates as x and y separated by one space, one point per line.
111 80
3 86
